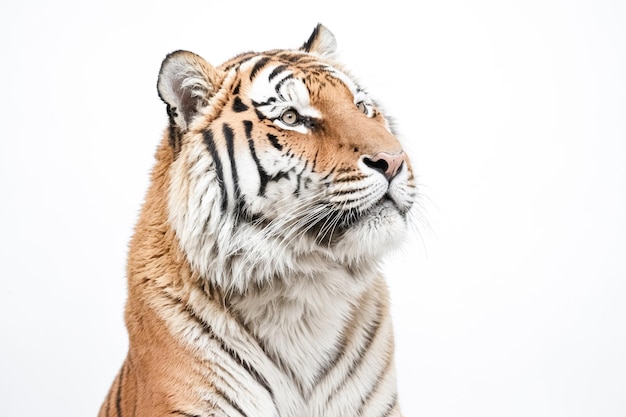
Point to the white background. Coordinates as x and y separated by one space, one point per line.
510 302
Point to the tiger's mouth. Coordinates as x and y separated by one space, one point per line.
331 222
332 227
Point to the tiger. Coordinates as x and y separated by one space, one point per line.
254 283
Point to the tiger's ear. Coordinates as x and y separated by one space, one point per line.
321 42
186 83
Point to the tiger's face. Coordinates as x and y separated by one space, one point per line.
281 160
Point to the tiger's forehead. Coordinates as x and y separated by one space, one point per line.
285 68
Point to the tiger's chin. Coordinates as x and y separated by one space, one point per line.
370 233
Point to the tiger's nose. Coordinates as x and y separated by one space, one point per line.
388 164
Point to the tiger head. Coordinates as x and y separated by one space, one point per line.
282 164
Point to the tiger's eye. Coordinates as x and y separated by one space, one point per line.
290 117
361 106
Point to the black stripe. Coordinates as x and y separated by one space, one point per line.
280 84
230 402
263 177
267 102
230 146
260 115
299 179
239 59
374 389
274 141
323 373
352 191
173 132
118 397
331 172
280 175
257 67
349 201
210 143
309 43
239 106
233 354
130 366
349 178
277 71
237 87
370 335
295 58
391 406
182 413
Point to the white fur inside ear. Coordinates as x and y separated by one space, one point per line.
322 42
185 85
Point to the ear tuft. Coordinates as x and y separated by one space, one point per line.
186 83
321 42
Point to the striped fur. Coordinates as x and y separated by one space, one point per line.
253 281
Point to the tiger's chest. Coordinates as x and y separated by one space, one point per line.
301 329
287 351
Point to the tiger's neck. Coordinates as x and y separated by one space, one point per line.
300 321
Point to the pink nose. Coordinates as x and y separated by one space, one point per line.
387 163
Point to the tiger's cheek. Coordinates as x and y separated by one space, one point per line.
272 174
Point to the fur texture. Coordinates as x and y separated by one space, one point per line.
253 281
